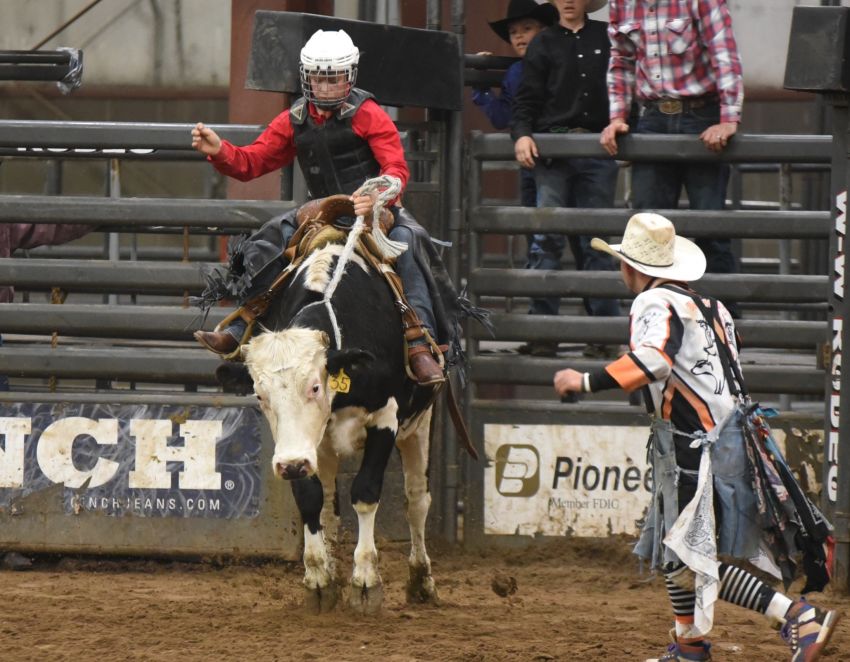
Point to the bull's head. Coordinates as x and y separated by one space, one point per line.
296 377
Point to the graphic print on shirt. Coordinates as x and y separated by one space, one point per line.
646 321
705 365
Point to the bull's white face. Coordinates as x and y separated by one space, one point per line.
290 380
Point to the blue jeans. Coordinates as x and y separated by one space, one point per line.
572 183
415 286
527 188
658 185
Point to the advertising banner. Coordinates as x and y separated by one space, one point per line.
561 480
151 461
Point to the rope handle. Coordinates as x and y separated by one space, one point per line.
388 189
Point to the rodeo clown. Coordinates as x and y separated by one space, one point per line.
341 138
720 485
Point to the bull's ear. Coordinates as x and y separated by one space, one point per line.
348 359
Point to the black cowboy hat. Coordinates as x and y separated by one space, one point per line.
517 9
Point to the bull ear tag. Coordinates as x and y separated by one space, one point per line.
340 382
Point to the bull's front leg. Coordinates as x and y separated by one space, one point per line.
319 568
367 591
414 449
328 468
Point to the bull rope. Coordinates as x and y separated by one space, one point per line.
387 189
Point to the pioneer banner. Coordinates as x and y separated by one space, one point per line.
565 480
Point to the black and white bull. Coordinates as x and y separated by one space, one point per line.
330 378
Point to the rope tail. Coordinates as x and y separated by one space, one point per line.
466 311
388 189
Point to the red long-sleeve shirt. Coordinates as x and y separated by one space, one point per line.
275 147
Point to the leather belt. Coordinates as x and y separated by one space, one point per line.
676 106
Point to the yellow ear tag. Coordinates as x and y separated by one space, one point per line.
340 382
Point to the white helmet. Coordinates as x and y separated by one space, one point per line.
328 54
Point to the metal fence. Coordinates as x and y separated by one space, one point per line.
126 340
781 350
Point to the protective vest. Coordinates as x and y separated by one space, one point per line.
332 157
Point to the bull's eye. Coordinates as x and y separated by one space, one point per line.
315 389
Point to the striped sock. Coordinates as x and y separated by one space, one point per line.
743 589
683 602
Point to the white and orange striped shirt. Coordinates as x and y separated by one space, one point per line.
673 353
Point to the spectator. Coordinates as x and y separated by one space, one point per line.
31 235
679 60
718 489
563 91
524 19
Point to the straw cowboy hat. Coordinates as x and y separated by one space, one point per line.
517 9
650 246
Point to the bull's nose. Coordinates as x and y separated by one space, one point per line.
293 470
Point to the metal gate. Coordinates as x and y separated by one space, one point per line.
120 349
551 468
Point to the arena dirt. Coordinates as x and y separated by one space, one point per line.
573 600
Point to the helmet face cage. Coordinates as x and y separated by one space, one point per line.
326 80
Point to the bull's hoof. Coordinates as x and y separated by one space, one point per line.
366 600
421 588
321 600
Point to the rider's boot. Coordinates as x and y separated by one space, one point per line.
420 352
222 342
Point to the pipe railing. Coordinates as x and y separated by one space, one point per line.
799 338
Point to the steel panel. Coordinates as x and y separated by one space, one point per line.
517 369
747 287
121 135
614 330
137 364
612 222
741 149
124 277
386 67
106 321
818 50
141 212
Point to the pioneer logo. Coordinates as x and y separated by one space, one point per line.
517 470
518 474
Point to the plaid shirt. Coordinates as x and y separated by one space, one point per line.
673 49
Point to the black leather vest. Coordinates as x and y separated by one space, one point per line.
332 157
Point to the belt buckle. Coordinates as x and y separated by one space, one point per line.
670 106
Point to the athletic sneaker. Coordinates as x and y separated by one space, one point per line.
685 653
807 630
